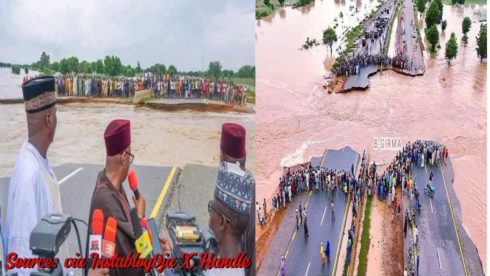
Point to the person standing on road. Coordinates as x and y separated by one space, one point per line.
305 225
322 253
332 206
300 214
327 251
282 268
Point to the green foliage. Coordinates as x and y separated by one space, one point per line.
466 25
246 71
451 48
263 11
113 66
481 42
158 68
26 70
421 6
267 2
15 69
55 66
129 72
138 68
69 65
172 70
366 224
329 37
214 70
433 15
440 5
281 2
461 2
432 36
228 73
99 67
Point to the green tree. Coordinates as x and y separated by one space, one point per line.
228 73
99 67
281 2
113 66
466 25
443 25
158 68
43 61
172 70
214 70
432 15
138 68
63 68
267 2
55 66
421 6
129 72
246 71
432 36
451 49
73 65
329 37
26 70
481 42
440 5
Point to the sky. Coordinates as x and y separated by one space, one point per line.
180 32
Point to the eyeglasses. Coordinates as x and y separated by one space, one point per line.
211 208
131 157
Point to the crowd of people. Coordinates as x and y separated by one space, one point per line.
353 64
162 86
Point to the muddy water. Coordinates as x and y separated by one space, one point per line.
296 119
158 138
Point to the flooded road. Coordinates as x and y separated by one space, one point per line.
158 138
296 119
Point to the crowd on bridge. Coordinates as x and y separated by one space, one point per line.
162 86
353 64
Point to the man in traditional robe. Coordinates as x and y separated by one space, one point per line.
233 150
109 194
33 190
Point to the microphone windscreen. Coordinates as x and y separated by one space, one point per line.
133 182
110 229
97 222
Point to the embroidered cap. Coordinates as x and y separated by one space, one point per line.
39 94
234 188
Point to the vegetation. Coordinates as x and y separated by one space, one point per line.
214 70
329 37
351 38
466 26
362 266
451 49
461 2
443 25
481 42
15 69
421 6
310 43
432 36
433 15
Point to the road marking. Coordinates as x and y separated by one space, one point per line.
286 255
432 209
439 257
70 175
324 211
454 223
340 236
308 268
164 190
294 235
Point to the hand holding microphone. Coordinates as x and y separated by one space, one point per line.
139 201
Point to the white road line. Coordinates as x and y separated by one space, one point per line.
432 209
439 257
308 268
323 215
70 175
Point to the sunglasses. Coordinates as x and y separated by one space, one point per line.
211 208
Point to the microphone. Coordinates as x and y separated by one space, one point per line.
133 183
95 238
142 238
108 243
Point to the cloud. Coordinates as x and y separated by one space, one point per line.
179 32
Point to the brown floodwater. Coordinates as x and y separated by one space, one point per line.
158 138
297 119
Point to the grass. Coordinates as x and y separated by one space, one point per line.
250 97
467 2
263 11
361 269
350 38
245 81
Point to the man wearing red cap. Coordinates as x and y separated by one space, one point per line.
232 147
109 194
